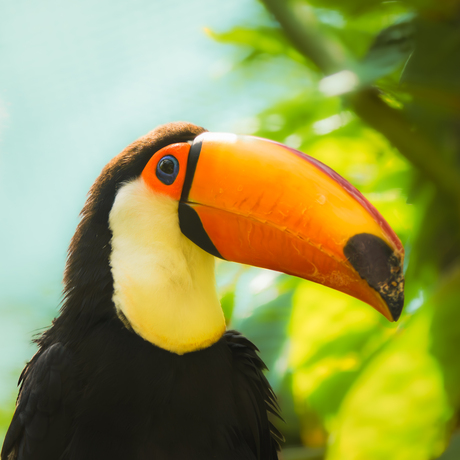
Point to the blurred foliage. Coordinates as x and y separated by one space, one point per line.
351 385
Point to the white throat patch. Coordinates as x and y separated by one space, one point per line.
163 283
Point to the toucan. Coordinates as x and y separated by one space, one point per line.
139 364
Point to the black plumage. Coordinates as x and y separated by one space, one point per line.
97 390
118 397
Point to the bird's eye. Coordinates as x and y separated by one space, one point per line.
167 169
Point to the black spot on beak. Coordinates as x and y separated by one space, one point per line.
377 263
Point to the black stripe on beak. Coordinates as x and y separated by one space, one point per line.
189 221
193 156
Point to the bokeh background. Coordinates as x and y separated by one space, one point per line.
369 87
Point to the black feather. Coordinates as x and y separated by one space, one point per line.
40 424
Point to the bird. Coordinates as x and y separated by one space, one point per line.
139 363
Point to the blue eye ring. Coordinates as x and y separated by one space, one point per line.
167 169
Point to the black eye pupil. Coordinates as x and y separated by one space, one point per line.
167 169
167 166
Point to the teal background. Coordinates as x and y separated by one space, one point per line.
78 82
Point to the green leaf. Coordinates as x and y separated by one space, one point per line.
445 333
390 50
263 304
262 40
262 312
453 451
348 7
397 408
432 78
6 414
227 274
356 8
333 336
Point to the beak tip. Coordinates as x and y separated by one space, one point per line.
378 264
393 295
395 313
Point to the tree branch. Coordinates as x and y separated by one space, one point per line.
303 32
419 151
305 36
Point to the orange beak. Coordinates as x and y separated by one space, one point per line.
258 202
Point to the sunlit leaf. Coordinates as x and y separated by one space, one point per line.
267 40
333 336
397 398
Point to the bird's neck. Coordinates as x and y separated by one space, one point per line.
164 284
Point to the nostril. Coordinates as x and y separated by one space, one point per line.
378 264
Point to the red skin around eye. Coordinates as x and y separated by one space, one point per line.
180 152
